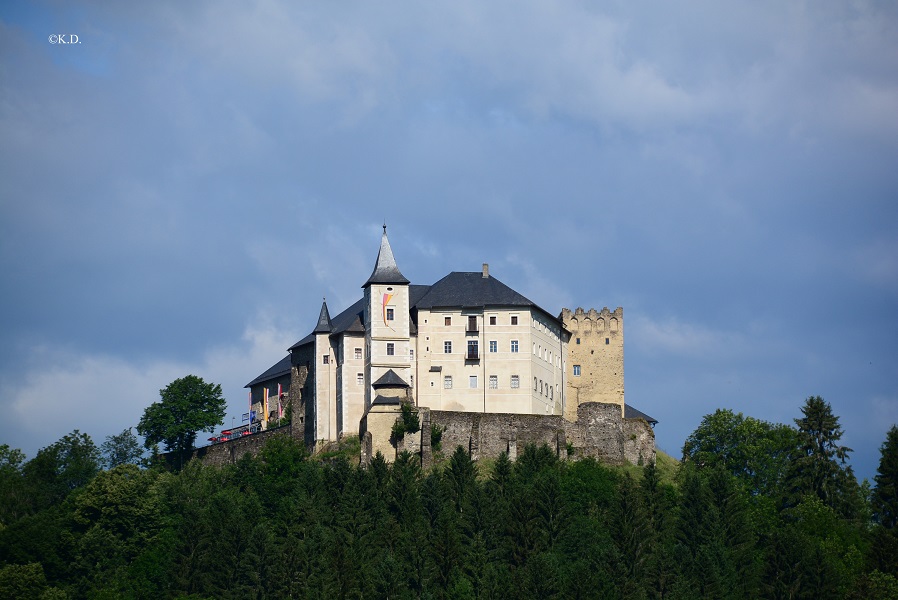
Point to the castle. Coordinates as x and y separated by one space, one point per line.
475 358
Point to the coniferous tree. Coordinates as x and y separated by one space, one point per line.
634 538
659 500
884 546
821 466
885 495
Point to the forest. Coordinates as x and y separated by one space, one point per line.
752 510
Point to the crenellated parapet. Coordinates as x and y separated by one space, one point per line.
592 321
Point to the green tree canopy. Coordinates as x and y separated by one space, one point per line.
755 451
122 449
821 466
885 496
68 463
188 405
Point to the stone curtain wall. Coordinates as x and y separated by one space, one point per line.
599 432
490 434
639 441
228 453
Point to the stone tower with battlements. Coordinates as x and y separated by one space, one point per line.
595 361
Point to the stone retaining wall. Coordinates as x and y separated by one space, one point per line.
599 432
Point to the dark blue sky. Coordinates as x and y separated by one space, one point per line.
181 188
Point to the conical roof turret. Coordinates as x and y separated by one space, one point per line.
385 269
324 320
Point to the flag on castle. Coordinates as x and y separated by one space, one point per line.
280 406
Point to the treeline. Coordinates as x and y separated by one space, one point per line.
755 510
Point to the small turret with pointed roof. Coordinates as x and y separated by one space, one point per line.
385 269
324 320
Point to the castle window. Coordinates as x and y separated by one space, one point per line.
447 347
360 378
391 349
473 353
551 393
540 387
576 370
326 359
494 346
515 382
514 319
358 354
472 323
447 382
411 353
389 314
472 382
606 341
492 319
447 321
535 383
514 345
494 382
578 340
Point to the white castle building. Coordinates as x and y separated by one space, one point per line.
467 343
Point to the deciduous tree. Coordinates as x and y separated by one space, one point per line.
755 451
121 449
188 405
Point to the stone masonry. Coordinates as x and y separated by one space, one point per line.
598 432
595 362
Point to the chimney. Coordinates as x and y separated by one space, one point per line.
486 270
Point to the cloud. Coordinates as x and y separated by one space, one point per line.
101 395
674 337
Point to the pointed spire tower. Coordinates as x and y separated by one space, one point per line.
324 320
385 268
387 326
324 400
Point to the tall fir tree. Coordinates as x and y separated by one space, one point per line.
821 467
885 495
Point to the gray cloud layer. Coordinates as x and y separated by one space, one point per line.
181 188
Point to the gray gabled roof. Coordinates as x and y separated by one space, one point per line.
632 413
385 269
385 400
389 379
281 368
470 289
350 320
